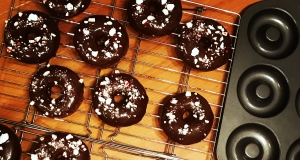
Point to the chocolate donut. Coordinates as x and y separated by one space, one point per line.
132 103
71 89
204 44
154 17
10 147
60 145
190 129
66 8
31 37
101 41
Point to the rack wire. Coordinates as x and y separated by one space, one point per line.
152 60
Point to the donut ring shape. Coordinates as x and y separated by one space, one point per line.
276 83
71 88
60 145
204 44
9 144
101 41
41 47
194 127
66 9
251 133
154 18
127 112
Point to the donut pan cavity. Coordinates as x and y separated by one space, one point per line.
261 111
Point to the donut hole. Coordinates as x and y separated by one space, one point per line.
263 91
272 38
187 116
101 40
155 6
119 99
32 35
56 92
59 156
250 148
205 43
260 93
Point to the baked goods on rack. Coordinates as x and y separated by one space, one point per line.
119 100
31 37
187 118
101 41
10 147
66 80
66 9
60 145
204 44
154 18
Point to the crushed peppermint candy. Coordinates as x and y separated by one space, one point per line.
195 52
32 17
150 18
170 7
112 32
69 6
139 1
91 20
188 94
3 138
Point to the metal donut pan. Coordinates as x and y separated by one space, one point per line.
262 107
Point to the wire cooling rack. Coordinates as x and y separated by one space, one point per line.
151 60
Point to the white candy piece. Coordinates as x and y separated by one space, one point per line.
195 52
32 17
3 138
139 1
112 32
189 25
150 18
188 94
69 6
170 7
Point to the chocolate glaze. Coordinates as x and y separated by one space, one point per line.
64 78
101 41
191 129
66 8
60 145
204 44
10 148
154 17
31 37
128 111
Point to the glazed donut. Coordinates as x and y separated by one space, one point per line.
153 17
71 88
120 113
101 41
191 129
32 37
60 145
67 8
204 44
10 147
